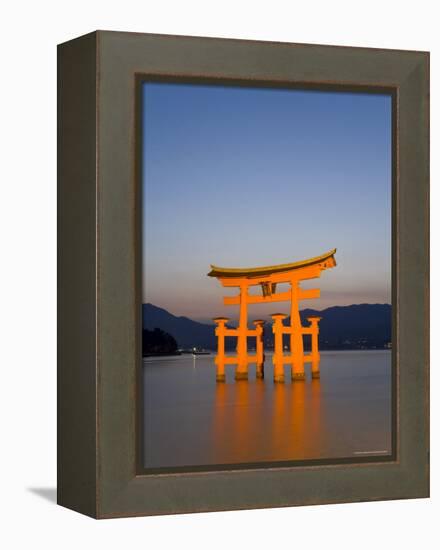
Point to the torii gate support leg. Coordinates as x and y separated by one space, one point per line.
241 372
220 332
314 325
296 336
278 363
259 349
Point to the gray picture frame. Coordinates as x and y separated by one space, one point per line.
99 310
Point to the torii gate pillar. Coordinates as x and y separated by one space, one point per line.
278 358
314 329
259 329
296 336
241 372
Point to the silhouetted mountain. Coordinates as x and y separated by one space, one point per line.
353 327
187 332
361 326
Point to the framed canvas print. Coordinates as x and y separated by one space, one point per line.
243 274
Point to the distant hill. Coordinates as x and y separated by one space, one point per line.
361 326
353 327
187 332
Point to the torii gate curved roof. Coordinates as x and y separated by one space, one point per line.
235 272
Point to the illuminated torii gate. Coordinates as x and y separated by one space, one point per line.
268 277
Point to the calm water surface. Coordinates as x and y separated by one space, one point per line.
190 420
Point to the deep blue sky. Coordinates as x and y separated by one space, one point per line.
248 177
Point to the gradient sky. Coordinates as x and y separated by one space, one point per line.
242 177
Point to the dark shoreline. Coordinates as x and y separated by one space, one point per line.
164 354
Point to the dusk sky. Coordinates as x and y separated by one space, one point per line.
242 177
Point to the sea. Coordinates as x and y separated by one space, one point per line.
190 420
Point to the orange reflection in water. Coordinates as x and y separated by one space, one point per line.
261 421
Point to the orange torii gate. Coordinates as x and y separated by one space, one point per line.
268 277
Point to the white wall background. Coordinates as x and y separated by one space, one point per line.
29 34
